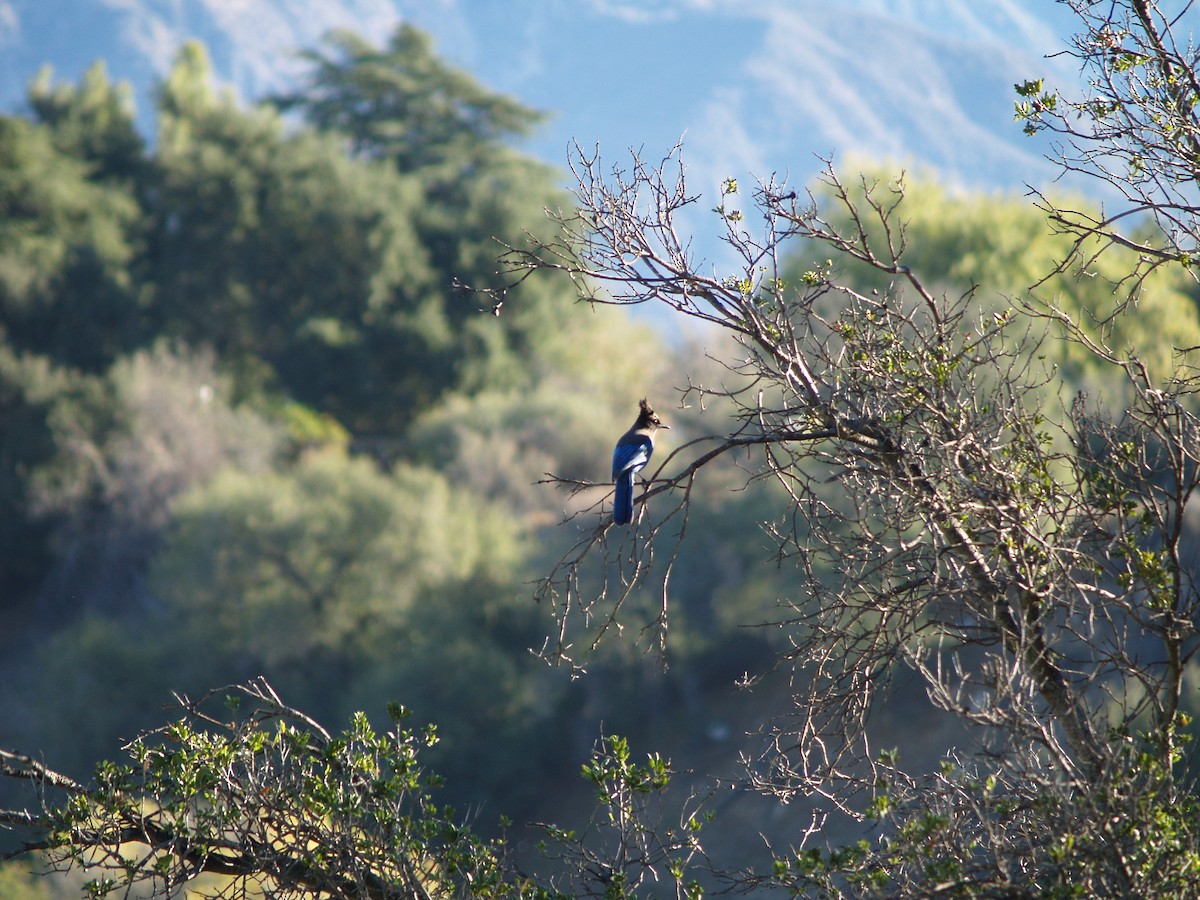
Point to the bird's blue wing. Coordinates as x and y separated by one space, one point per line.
631 455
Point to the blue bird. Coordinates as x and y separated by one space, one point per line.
629 457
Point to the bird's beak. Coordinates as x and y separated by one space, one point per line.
667 427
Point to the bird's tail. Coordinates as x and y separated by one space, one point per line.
623 499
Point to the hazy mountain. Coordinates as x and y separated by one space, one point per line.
753 86
251 40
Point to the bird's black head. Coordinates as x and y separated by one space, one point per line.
648 418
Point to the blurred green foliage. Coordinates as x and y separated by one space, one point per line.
67 246
19 882
254 422
1004 247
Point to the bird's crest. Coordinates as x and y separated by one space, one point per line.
647 416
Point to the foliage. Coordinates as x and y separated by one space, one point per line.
443 135
327 274
66 243
1140 842
159 422
997 246
330 557
321 282
261 798
276 249
627 847
92 121
344 583
18 882
29 386
402 103
96 656
262 795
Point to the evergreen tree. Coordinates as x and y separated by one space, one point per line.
92 121
403 104
447 136
67 243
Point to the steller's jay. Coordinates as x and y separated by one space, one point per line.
629 457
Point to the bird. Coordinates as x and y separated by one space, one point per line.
629 457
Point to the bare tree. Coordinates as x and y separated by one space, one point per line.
955 512
1134 129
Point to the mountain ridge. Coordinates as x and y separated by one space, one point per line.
751 88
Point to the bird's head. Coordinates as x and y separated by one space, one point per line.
648 418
